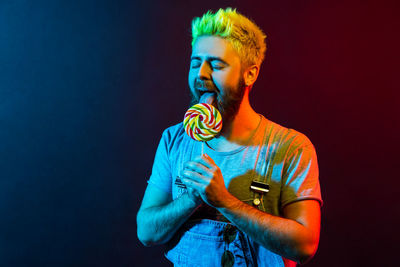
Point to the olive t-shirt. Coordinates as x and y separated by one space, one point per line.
282 158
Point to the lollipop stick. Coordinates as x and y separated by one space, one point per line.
202 148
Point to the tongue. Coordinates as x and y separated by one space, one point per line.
207 97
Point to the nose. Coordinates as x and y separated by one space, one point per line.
204 71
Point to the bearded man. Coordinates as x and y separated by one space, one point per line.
253 198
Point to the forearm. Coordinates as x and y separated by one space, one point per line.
156 225
285 237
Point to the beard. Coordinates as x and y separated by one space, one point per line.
228 103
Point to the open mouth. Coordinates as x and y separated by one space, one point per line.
207 97
202 92
204 87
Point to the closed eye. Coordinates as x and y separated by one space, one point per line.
195 63
218 66
214 62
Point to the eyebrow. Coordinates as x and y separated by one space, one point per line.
211 58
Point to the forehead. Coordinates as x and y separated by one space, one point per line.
214 46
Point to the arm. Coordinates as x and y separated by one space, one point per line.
159 216
295 236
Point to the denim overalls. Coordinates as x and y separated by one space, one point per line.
200 243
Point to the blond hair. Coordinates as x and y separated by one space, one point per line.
245 36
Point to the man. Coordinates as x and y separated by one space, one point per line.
253 197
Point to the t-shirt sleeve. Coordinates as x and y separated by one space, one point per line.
161 175
300 180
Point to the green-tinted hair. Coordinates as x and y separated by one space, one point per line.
245 36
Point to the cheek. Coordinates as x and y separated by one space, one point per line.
191 79
226 81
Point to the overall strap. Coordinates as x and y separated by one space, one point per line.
262 169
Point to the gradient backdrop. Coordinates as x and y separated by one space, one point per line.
87 87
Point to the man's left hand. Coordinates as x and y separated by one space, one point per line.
204 176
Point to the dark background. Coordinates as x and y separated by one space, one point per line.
87 87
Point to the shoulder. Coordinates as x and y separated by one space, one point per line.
174 135
288 138
299 139
174 132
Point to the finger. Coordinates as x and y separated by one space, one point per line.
209 159
204 161
193 184
194 176
197 167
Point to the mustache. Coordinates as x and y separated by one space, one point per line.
204 85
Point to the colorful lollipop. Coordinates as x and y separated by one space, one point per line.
202 122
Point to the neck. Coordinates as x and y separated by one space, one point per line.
240 129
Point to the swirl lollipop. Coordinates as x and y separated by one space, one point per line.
202 122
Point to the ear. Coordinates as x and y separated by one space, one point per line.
250 75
